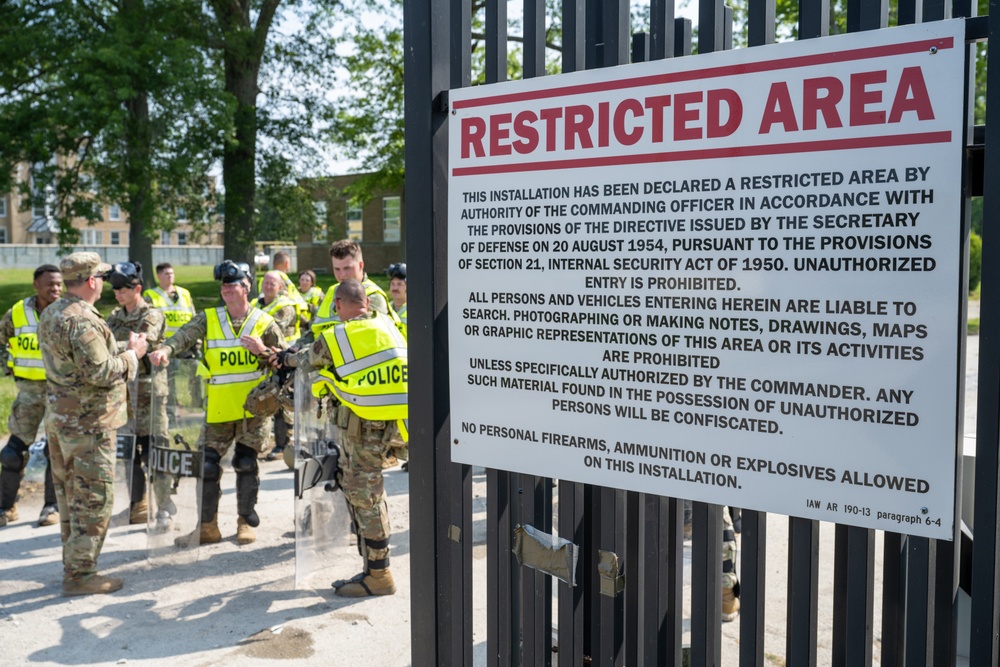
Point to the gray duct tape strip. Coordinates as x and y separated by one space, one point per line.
547 553
612 582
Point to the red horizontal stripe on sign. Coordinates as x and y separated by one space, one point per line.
882 51
714 153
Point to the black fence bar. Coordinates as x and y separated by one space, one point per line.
753 584
706 584
496 40
711 14
573 37
671 584
640 47
893 598
964 8
499 588
935 10
909 12
760 23
853 596
536 587
985 626
441 582
661 29
682 37
607 511
867 15
814 18
803 591
636 576
571 627
615 33
534 38
919 602
945 626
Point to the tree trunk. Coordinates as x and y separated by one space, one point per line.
137 169
138 157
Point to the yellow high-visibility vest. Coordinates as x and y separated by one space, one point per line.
279 302
369 370
233 371
25 358
177 314
326 316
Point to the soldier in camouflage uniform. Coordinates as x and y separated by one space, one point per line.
19 356
135 315
730 582
365 441
274 301
238 320
86 376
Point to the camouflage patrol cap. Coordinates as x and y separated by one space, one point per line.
81 265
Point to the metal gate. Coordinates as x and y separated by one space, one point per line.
642 624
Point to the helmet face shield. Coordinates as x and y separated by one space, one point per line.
125 274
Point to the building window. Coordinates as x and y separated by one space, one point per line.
355 223
116 238
321 230
390 219
91 237
3 207
3 235
181 214
114 212
164 237
182 239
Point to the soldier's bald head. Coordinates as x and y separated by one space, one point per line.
351 291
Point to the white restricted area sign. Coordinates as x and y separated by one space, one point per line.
733 278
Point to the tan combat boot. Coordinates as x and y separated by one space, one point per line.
376 582
245 534
94 584
210 531
8 516
730 605
49 516
137 513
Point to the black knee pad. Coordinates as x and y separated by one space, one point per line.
212 471
12 455
244 459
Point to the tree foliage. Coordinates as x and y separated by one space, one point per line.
112 103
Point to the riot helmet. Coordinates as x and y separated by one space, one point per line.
397 270
125 274
232 272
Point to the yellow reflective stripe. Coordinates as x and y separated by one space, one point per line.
226 343
376 401
372 360
235 377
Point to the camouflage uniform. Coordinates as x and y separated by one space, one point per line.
285 319
249 435
152 322
365 444
86 376
729 578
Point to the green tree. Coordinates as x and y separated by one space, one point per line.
111 103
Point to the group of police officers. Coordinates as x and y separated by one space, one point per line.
71 368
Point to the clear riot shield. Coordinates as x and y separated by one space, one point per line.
322 521
175 463
125 453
